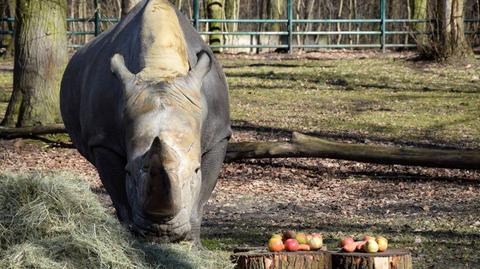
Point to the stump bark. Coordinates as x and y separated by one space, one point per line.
260 258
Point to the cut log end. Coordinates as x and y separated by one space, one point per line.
322 259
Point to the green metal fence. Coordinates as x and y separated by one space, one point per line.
382 24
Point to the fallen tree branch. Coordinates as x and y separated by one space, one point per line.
307 146
304 146
22 132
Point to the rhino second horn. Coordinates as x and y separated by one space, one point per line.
200 70
120 70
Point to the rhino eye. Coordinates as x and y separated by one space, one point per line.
197 170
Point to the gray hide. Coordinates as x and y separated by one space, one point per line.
92 105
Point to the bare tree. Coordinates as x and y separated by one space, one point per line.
215 11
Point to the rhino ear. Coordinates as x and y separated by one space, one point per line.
117 65
200 70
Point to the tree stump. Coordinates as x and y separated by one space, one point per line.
390 259
261 258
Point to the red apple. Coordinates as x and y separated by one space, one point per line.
291 244
349 247
289 234
368 237
345 241
360 245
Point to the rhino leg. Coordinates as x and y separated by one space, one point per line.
111 169
211 165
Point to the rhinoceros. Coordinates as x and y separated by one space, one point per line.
147 104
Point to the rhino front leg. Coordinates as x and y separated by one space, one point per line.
211 165
111 168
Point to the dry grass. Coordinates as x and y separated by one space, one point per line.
55 221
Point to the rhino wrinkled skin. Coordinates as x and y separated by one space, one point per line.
147 104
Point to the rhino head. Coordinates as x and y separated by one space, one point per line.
163 121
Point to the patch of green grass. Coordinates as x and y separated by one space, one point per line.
385 98
55 221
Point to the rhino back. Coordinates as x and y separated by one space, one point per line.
214 88
91 97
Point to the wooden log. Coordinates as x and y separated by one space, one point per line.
304 146
9 133
307 146
322 259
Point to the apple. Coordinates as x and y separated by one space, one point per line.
309 236
345 241
304 247
317 235
382 243
301 238
275 244
315 243
371 246
360 245
289 234
350 247
291 244
277 236
368 237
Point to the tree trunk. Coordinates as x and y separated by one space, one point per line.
127 5
339 28
40 59
276 11
232 12
308 146
452 45
418 9
215 11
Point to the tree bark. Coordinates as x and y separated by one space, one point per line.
40 59
215 11
127 5
232 12
418 9
451 41
276 11
260 258
308 146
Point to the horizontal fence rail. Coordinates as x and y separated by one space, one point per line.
380 30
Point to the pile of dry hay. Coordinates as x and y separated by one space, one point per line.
55 221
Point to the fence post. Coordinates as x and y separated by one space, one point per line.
290 26
196 15
97 18
382 24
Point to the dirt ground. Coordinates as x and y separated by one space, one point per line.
435 213
254 198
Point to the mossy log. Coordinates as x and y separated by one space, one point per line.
322 259
307 146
